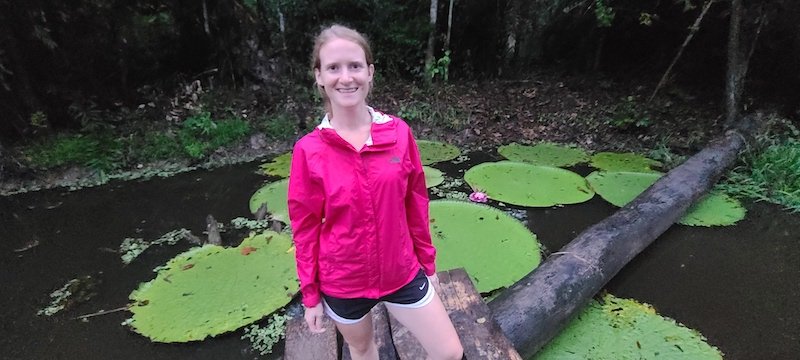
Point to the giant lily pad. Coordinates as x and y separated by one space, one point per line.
631 162
275 195
432 152
528 185
210 290
715 209
547 154
494 248
433 176
279 166
620 188
617 328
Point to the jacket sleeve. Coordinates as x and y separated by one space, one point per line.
306 203
417 211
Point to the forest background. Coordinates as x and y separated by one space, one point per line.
110 85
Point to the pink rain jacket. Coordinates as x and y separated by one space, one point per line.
359 218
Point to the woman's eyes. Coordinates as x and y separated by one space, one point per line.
353 66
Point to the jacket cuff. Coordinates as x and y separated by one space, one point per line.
311 300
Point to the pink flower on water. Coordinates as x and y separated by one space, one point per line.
478 196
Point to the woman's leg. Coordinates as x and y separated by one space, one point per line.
432 328
360 339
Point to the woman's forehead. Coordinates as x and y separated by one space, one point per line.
341 50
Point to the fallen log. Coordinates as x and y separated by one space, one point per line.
537 307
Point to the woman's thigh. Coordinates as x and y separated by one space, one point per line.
358 335
431 326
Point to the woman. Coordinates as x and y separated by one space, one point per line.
359 211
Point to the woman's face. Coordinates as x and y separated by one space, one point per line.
344 73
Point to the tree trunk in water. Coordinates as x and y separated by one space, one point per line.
431 39
538 306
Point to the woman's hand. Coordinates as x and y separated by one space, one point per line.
313 318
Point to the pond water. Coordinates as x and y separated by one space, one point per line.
737 285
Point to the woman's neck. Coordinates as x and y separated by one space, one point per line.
350 118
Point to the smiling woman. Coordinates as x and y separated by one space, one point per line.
358 208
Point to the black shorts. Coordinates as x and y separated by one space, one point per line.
415 294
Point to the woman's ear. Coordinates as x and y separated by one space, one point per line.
371 71
318 77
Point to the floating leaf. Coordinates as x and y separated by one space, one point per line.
279 166
547 154
616 328
715 209
275 195
210 290
528 185
494 248
433 152
630 162
620 187
433 176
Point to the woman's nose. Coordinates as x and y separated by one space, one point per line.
345 76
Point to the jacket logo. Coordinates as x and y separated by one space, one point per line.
394 160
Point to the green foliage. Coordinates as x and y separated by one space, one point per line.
632 162
714 209
39 119
619 188
263 339
100 152
546 154
615 328
279 127
210 290
433 177
275 196
73 292
628 113
662 153
494 248
279 166
199 134
528 185
440 68
769 172
433 151
156 146
603 13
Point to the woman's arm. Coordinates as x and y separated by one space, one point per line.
306 202
417 211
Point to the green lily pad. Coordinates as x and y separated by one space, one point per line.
631 162
210 290
279 166
621 187
528 185
432 151
494 248
433 176
275 195
547 154
715 209
616 328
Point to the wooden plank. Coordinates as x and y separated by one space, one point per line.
479 334
383 337
301 344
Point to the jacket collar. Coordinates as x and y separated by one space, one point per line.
383 132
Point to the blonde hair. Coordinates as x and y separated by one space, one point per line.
332 32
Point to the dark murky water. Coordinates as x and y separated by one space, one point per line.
737 285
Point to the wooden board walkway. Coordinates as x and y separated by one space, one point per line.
479 333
